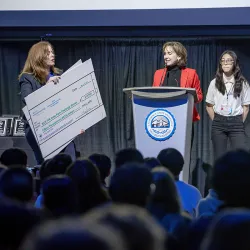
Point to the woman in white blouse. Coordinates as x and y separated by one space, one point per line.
227 104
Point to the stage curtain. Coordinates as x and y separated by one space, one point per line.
121 63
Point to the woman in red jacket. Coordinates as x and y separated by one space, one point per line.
175 73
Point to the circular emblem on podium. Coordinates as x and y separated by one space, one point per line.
160 124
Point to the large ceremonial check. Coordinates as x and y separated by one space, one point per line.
59 112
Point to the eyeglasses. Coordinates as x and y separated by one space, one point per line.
227 61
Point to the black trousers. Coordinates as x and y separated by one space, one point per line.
33 144
37 152
226 128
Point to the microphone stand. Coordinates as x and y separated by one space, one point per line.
163 73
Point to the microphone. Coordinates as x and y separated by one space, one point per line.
164 72
177 82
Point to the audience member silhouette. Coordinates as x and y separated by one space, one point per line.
73 234
16 222
128 155
231 175
229 231
165 204
139 230
59 164
17 184
86 178
152 162
173 160
59 195
131 184
103 163
14 157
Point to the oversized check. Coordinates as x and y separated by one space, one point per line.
59 112
27 115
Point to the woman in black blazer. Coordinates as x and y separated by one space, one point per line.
39 70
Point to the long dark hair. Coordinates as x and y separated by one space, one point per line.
86 178
165 191
239 78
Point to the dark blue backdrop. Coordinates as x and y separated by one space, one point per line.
160 17
124 62
164 22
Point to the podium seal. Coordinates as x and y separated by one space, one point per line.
160 124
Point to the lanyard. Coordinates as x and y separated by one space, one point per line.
227 93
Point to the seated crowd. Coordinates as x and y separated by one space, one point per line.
70 205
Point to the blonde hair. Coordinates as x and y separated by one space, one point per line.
180 50
36 62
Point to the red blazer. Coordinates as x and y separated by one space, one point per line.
189 79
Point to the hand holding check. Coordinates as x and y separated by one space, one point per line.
54 79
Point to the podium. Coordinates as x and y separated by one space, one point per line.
163 118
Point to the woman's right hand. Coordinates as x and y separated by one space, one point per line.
53 79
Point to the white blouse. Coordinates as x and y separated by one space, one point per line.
233 106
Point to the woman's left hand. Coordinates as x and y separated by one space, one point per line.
54 79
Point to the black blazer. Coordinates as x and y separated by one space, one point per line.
28 84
